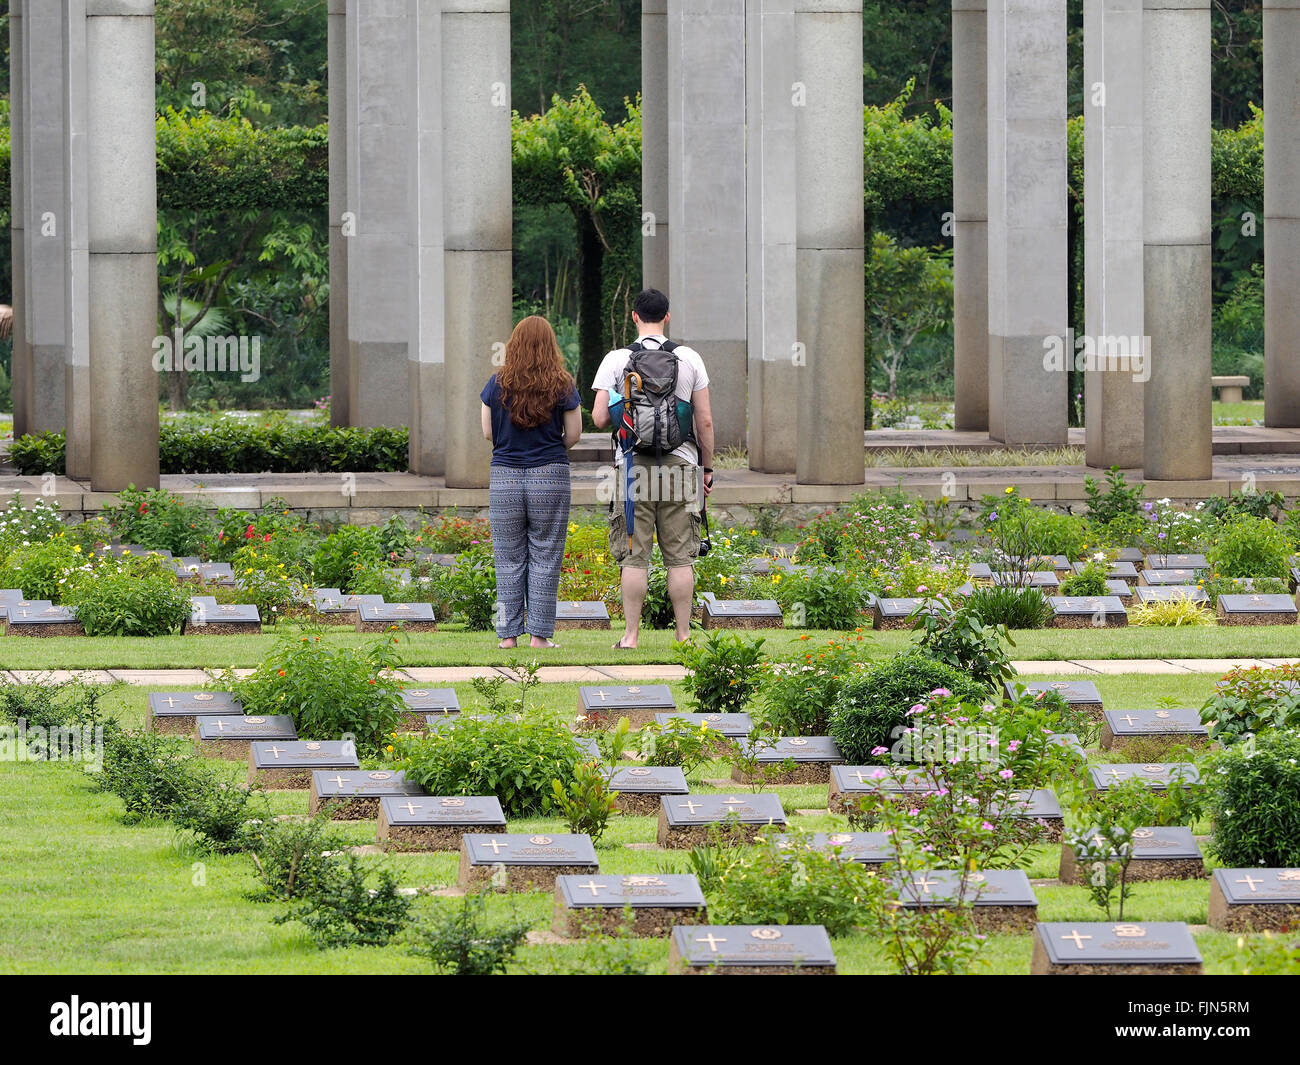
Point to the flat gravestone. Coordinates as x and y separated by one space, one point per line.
1086 612
1040 806
729 726
1158 775
1159 853
229 736
686 821
1258 609
851 782
1175 561
1122 590
1004 901
175 712
1131 554
1157 578
11 597
812 758
1167 593
1082 694
1042 579
135 550
601 707
355 796
48 620
894 613
419 703
1117 571
1104 949
589 747
380 617
436 822
742 614
507 862
592 615
335 608
1254 900
979 571
1066 739
1059 564
865 848
765 950
224 619
639 787
1181 726
594 905
208 572
289 764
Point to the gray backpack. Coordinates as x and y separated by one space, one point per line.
653 415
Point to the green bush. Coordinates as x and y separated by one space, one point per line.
42 570
223 815
1091 581
32 524
723 672
1214 587
792 881
677 742
331 692
961 639
291 856
1012 608
151 774
798 697
1250 547
1116 501
156 518
586 803
345 553
873 708
462 943
129 597
341 909
1253 700
517 761
471 589
1254 800
817 598
238 448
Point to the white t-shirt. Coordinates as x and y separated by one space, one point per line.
691 377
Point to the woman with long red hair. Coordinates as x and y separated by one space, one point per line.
531 414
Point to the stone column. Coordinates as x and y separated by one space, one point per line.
477 217
829 239
706 192
46 226
1112 181
76 367
1176 237
337 87
1028 277
1281 212
425 379
773 321
122 239
654 144
378 111
20 363
970 208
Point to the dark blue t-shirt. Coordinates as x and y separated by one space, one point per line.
526 448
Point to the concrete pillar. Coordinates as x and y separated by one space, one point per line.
378 111
76 366
477 217
829 256
770 192
654 144
1176 237
122 237
970 208
19 363
339 226
1027 273
425 365
46 228
1281 212
706 192
1112 181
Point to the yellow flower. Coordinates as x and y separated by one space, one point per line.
1009 489
249 570
722 579
76 549
390 748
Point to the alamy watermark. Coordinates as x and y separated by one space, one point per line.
196 354
1118 354
61 743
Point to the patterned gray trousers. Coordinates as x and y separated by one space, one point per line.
529 513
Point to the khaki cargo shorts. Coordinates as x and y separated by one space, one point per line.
668 497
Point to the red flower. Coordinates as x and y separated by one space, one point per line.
248 533
266 538
144 508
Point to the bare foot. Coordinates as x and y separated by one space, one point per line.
621 646
507 644
538 642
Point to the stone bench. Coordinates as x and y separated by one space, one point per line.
1230 387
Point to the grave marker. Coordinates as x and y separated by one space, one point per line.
764 950
1158 775
1165 593
813 757
639 788
354 796
590 905
381 617
223 619
1080 694
288 764
685 820
176 713
1086 612
1254 900
865 848
1004 902
742 614
42 619
1105 949
1256 609
509 862
436 822
1173 726
228 736
601 706
587 615
1169 853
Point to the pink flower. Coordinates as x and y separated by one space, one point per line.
943 693
1013 745
1005 774
986 827
879 750
917 708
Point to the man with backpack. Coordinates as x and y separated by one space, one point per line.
655 396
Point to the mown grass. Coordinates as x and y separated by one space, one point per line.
456 647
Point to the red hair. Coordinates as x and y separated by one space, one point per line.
533 380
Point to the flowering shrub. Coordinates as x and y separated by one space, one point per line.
1091 580
723 672
275 527
450 534
271 585
821 598
1250 547
797 697
22 525
1253 795
157 518
330 692
128 597
345 553
1249 701
470 589
42 570
588 573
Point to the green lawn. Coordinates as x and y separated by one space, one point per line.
452 647
86 894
